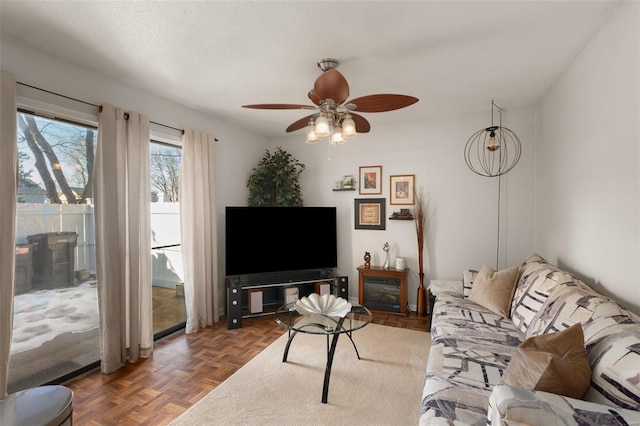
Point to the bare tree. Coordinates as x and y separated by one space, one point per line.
64 157
25 181
165 171
30 136
23 175
89 151
67 143
80 150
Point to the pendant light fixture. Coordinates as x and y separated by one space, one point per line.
494 150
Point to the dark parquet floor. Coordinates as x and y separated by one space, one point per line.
182 370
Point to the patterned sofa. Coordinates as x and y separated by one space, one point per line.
472 347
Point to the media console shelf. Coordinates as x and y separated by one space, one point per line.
272 288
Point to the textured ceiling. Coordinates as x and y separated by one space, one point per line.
215 56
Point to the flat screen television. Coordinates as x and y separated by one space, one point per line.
280 239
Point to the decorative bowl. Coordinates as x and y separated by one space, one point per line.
327 304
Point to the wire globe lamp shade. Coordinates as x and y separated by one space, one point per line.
493 151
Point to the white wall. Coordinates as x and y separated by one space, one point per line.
463 230
237 151
588 162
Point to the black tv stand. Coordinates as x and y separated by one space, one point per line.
272 286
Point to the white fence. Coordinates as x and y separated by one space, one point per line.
79 218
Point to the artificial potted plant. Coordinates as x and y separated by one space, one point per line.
274 182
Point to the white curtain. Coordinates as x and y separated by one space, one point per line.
198 229
8 187
122 192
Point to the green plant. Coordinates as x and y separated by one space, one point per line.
275 181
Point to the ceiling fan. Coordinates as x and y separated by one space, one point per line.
333 116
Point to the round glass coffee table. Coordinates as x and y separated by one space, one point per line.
330 326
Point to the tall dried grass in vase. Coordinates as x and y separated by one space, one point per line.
421 213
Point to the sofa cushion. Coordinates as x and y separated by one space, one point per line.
554 362
572 302
536 280
459 318
471 347
615 362
494 289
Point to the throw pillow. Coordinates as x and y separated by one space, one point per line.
494 290
553 362
468 276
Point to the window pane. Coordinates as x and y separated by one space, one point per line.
167 273
55 328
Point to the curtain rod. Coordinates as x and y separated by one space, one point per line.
94 105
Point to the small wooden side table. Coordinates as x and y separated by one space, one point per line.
383 289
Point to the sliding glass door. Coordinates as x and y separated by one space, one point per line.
169 313
55 325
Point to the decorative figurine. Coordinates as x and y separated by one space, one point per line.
403 214
367 259
386 261
348 182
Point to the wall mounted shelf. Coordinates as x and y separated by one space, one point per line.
344 189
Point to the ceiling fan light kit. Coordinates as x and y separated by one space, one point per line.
311 133
348 127
336 136
322 127
334 117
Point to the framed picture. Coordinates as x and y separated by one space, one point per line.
402 189
370 180
370 213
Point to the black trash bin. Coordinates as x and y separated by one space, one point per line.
53 259
24 268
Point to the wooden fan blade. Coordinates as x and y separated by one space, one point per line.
279 106
300 124
382 102
362 125
332 85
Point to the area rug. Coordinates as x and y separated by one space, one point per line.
384 387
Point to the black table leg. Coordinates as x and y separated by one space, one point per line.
327 371
286 349
293 334
331 349
353 343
